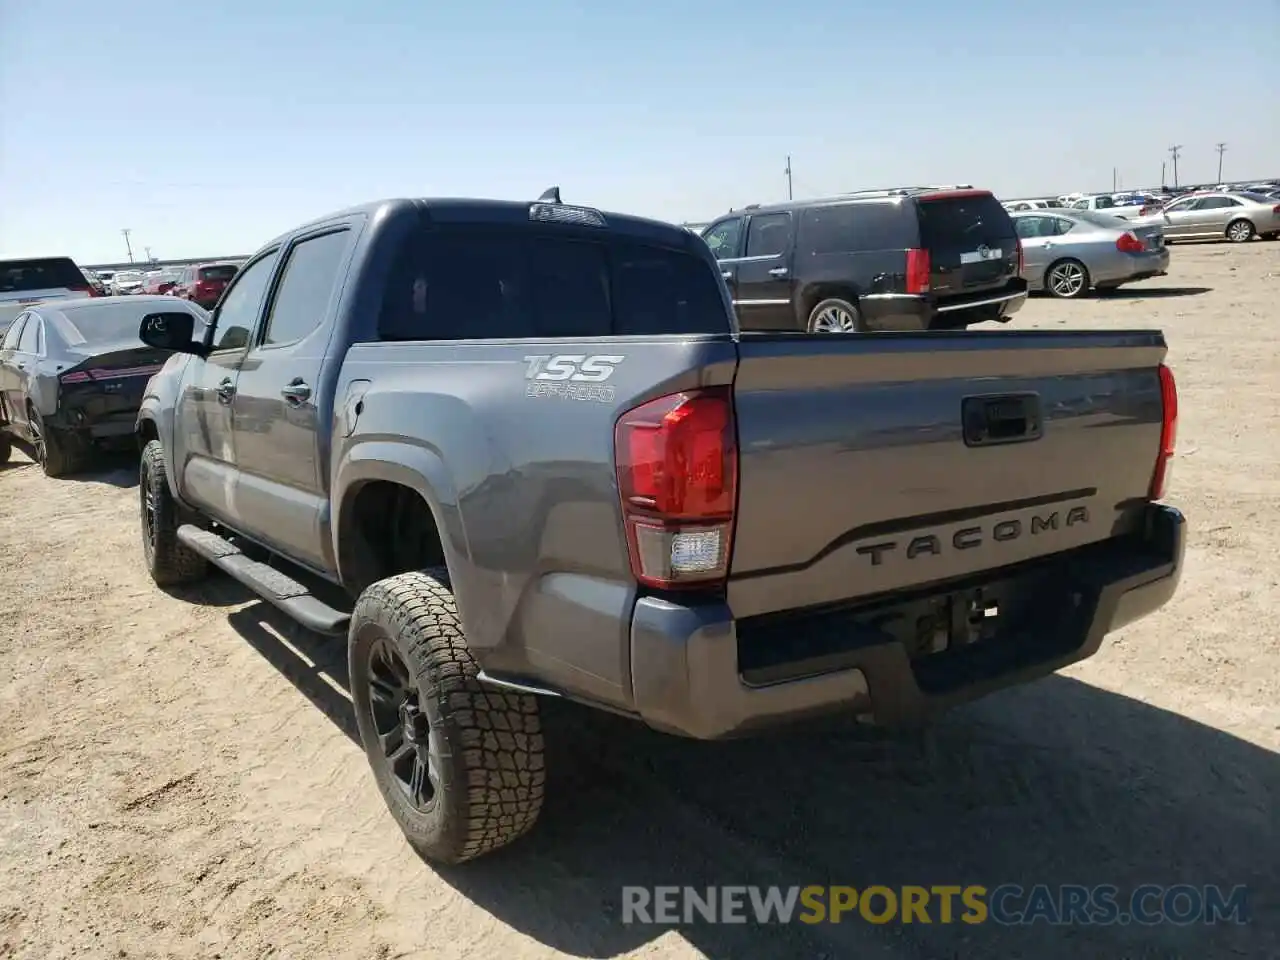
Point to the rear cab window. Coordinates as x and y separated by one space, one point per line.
47 273
965 220
223 272
505 282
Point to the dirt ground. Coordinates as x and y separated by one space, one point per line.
179 778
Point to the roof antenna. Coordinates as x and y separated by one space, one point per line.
550 195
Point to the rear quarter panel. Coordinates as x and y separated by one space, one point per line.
518 465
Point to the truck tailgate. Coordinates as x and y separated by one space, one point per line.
879 462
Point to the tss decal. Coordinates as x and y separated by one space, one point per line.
573 376
571 366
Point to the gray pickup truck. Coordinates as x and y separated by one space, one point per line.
529 445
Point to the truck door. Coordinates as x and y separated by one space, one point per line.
765 284
281 412
204 450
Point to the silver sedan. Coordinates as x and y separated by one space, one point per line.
1067 252
1237 216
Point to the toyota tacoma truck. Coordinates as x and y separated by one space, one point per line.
520 450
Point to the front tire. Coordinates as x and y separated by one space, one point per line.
168 561
1066 280
1240 231
459 765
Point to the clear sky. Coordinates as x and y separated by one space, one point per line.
209 128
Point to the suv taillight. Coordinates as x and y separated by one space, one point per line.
1022 256
1129 243
1168 433
917 271
85 288
677 462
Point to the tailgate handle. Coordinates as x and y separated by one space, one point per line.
1010 418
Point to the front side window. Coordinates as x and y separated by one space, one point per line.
724 237
242 303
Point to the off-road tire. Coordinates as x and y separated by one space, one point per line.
168 561
492 775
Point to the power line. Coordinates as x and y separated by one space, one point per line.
1221 148
1174 152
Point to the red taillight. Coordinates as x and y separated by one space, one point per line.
1148 210
1022 257
1129 243
677 461
1168 433
85 288
76 377
917 271
1276 208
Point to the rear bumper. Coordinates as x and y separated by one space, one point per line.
910 312
687 678
1133 266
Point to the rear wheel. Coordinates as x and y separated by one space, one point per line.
834 315
1066 279
168 561
460 765
59 453
1240 231
6 448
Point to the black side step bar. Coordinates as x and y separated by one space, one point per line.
267 582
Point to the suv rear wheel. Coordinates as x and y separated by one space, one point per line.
834 315
459 764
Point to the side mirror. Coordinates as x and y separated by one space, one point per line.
171 330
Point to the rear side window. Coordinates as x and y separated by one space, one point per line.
21 276
11 335
30 342
310 274
768 235
962 220
851 227
217 273
487 282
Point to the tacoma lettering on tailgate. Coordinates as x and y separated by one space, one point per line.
968 538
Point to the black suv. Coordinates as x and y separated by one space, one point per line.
909 258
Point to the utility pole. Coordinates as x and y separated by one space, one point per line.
148 252
1114 188
125 232
1221 148
1173 152
1162 166
788 173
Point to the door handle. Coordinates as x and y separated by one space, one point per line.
296 391
778 272
226 389
727 274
